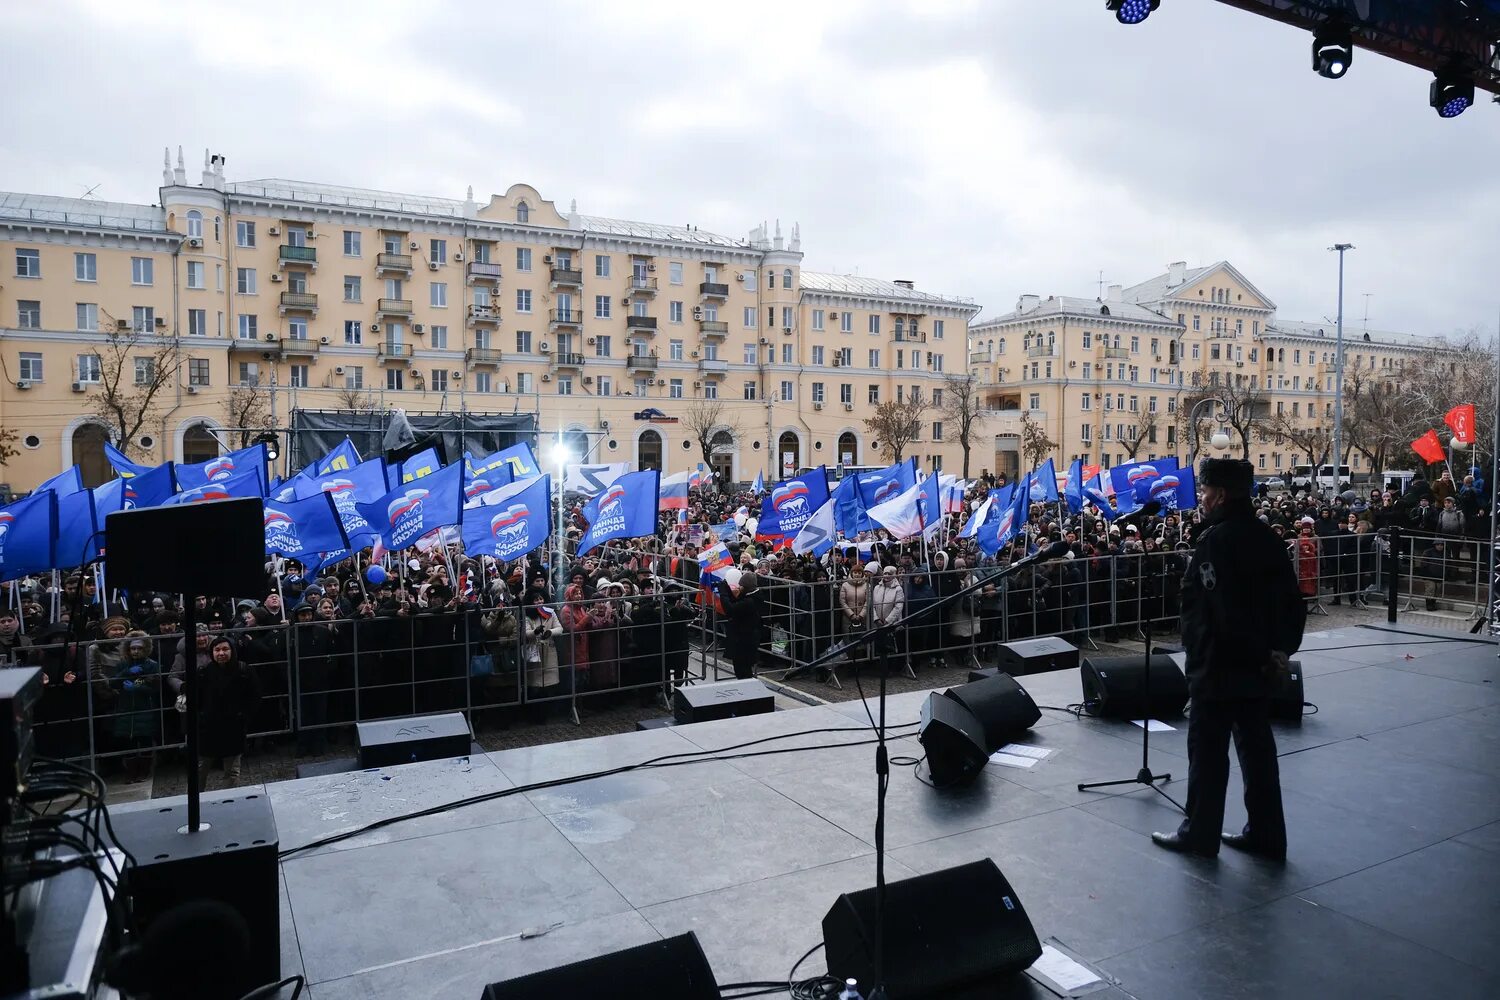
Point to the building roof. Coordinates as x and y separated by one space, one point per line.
652 231
1157 288
81 212
1353 337
850 284
1069 305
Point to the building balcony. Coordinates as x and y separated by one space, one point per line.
396 263
713 290
910 337
248 346
643 323
567 360
567 277
394 352
1115 353
484 356
299 302
300 347
484 315
479 270
640 362
297 255
713 366
638 284
1042 351
980 357
713 328
561 318
399 308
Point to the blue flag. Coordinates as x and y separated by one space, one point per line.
759 486
1175 490
1041 485
28 533
791 503
510 521
930 503
1096 497
847 510
423 463
478 483
518 460
68 481
124 467
1135 479
1073 490
626 508
108 498
304 528
149 488
78 525
246 484
413 509
1003 528
230 466
887 484
340 459
363 483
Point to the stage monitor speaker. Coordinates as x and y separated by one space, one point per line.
672 969
404 741
1035 656
956 932
230 860
1286 703
1003 707
953 739
215 548
1115 687
721 700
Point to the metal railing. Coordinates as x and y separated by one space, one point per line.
298 255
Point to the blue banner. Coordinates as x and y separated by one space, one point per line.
363 483
627 508
150 488
77 525
230 466
413 509
518 460
67 482
124 467
340 459
28 533
847 510
1175 490
479 483
1135 479
423 463
247 484
510 521
887 484
1002 528
304 527
792 502
1041 485
1073 489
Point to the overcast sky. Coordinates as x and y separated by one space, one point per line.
985 149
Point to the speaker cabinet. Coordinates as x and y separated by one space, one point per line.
673 969
721 700
1003 708
1115 687
956 932
1286 703
1034 656
214 548
953 739
232 860
402 741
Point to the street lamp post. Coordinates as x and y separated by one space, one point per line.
1338 373
561 455
1218 439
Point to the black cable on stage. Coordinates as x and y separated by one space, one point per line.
666 760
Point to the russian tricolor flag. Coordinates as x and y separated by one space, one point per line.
674 491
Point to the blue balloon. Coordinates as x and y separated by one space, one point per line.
376 575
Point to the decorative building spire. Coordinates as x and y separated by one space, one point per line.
179 176
778 234
208 170
166 166
796 237
471 209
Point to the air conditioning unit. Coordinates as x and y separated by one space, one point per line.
270 338
1072 364
339 370
625 301
546 347
838 362
374 327
650 267
817 406
786 331
160 321
588 380
192 390
23 384
591 341
273 231
195 242
651 381
77 386
546 377
547 258
695 354
764 341
833 316
415 245
418 328
122 324
323 341
275 279
432 265
697 385
848 407
458 256
267 356
629 341
604 425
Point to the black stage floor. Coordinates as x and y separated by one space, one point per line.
1392 889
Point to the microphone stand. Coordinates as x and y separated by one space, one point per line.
882 761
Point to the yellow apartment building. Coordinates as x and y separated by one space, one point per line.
299 295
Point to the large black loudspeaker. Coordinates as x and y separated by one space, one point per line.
1004 708
402 741
952 933
1033 656
1286 703
1115 686
214 548
953 739
721 700
673 969
230 860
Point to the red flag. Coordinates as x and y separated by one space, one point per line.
1429 447
1461 420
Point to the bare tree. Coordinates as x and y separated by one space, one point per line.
135 367
357 400
1139 431
896 424
964 411
705 420
1307 434
1035 444
1236 403
1375 420
247 410
1425 392
8 449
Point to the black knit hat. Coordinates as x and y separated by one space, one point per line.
1229 473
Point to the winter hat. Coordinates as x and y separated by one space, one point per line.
872 567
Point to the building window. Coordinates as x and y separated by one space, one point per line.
565 385
601 265
1086 434
29 314
28 263
296 329
1087 402
353 331
439 380
786 391
142 271
1034 402
249 327
523 214
748 318
601 306
817 319
354 377
846 322
523 258
299 378
846 393
602 346
674 272
482 382
674 350
395 379
606 385
1195 352
89 368
85 267
439 338
875 323
143 318
438 295
145 371
817 393
749 391
31 367
244 234
195 274
523 341
437 251
674 388
937 329
353 288
197 322
872 396
874 357
674 312
710 390
786 278
523 300
353 243
786 317
937 430
244 280
817 354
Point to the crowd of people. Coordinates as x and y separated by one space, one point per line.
317 652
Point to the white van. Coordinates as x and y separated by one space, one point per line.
1302 479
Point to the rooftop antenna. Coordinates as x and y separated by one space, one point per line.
1367 310
1101 286
90 192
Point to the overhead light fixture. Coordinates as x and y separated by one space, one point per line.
1332 48
1131 11
273 445
1452 93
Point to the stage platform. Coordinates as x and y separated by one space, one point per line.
1392 888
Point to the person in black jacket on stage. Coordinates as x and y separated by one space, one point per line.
1242 618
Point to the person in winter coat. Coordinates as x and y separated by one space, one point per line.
577 623
963 619
854 596
229 695
922 638
742 611
888 606
1305 554
137 680
541 628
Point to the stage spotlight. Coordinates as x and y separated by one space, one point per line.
1131 11
1451 94
1332 49
273 446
